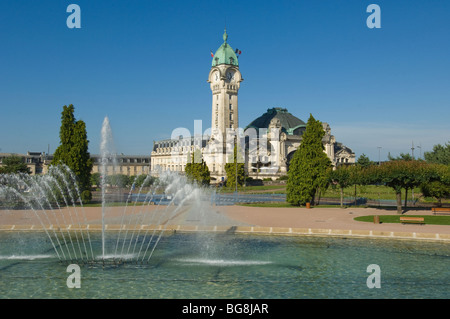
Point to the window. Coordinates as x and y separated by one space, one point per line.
231 107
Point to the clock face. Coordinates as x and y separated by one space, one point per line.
230 75
216 76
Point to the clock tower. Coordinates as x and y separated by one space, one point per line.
224 78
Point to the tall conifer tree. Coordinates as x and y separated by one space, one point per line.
73 148
198 171
231 168
309 166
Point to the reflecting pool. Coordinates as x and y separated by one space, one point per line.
200 265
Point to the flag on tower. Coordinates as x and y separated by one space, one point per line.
212 54
238 51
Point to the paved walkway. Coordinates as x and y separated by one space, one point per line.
329 218
302 221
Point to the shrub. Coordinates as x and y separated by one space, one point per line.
86 196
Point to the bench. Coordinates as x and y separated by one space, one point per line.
412 220
440 210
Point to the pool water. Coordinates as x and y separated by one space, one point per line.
231 266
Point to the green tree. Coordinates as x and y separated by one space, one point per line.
399 174
118 180
439 155
438 185
144 180
235 168
364 161
343 177
73 148
96 179
401 157
197 170
309 166
14 164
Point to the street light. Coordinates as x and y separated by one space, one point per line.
235 159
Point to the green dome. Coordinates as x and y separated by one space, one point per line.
290 124
225 54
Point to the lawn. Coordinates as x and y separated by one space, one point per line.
367 191
268 204
272 189
114 204
430 220
371 192
285 204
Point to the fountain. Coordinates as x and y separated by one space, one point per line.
106 150
41 196
55 201
135 250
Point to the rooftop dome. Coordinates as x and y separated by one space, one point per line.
225 54
290 124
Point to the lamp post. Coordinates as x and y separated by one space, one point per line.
235 160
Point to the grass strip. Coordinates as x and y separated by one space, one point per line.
429 220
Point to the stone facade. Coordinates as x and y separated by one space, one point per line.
37 162
225 83
173 154
280 138
130 165
268 143
122 164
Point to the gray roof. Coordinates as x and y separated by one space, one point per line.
191 140
339 147
290 124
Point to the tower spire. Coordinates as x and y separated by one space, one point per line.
225 35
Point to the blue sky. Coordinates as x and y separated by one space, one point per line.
144 64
